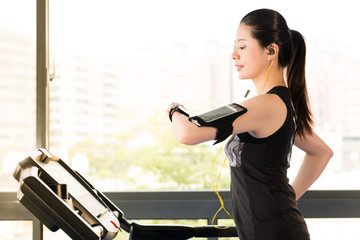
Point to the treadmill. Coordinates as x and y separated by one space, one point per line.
63 199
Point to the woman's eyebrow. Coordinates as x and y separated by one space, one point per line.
239 40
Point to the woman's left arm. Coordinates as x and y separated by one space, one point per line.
317 156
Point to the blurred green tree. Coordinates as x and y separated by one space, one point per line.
160 159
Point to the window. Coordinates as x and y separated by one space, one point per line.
17 99
17 230
120 64
17 86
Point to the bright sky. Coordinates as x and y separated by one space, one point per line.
115 24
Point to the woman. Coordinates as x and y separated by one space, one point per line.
264 203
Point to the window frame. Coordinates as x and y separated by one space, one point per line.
42 74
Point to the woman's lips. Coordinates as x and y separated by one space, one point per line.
239 67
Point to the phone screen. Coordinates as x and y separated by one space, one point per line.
220 112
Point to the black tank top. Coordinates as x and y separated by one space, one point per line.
264 205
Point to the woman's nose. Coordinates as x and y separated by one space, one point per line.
234 55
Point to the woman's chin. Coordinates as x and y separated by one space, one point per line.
243 77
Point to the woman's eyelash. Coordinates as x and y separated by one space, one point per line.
241 48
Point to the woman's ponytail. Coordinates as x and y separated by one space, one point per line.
297 84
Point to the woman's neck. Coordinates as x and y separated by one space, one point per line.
264 83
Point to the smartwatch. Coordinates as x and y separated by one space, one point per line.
179 109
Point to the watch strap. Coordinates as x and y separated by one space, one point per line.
177 108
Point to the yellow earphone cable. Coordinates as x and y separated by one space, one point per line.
267 75
216 186
216 190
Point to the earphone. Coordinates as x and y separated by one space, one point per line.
271 51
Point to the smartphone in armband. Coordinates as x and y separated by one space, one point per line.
220 118
219 115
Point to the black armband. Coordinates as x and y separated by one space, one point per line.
221 118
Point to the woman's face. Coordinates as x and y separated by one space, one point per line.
248 55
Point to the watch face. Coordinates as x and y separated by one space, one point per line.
179 109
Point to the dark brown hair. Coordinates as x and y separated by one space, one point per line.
268 27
